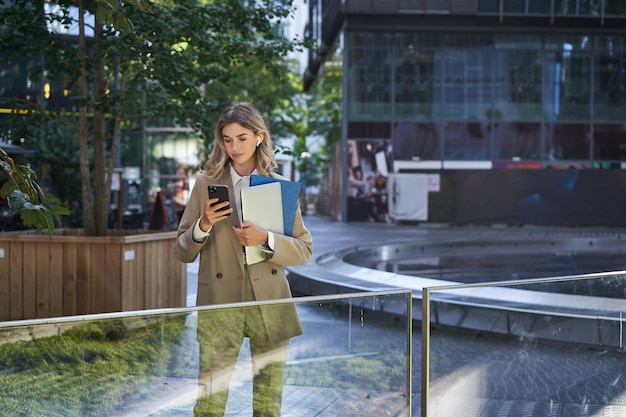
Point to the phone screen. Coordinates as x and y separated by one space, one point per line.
219 191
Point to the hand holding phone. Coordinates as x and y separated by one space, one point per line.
220 192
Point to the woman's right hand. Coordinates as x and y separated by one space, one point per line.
212 213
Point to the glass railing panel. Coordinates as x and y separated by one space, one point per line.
545 347
352 358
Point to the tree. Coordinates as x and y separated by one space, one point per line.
310 114
134 61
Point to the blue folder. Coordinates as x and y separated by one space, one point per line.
290 192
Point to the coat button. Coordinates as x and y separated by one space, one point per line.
219 275
274 271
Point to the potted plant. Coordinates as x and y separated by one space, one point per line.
25 196
107 65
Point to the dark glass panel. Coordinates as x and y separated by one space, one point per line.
416 141
589 7
609 142
538 7
518 84
418 40
467 83
369 130
512 140
566 141
565 7
567 78
369 82
518 41
414 83
489 6
610 85
465 140
462 40
515 6
614 7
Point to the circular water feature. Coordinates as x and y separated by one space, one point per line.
502 260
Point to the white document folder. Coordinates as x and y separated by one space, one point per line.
263 206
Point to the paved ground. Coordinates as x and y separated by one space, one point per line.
481 374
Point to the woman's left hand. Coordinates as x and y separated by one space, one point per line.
249 234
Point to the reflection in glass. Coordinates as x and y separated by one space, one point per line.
539 7
414 83
467 83
147 365
518 78
515 6
566 142
502 350
614 8
369 81
610 83
482 96
568 80
567 7
466 140
416 141
609 142
516 140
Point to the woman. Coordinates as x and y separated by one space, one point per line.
242 147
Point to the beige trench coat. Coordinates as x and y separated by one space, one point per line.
221 269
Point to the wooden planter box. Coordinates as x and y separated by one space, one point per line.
73 274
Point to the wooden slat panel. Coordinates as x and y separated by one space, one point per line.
178 288
69 275
170 277
83 278
161 274
42 280
70 291
30 280
129 278
141 275
153 276
144 280
113 285
5 282
56 280
17 281
98 269
144 283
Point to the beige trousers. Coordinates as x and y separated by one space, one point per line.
220 335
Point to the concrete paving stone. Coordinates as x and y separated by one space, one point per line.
504 376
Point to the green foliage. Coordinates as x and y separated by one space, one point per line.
183 60
316 113
26 197
90 369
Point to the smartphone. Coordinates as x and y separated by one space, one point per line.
219 191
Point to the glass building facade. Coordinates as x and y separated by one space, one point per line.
513 111
545 98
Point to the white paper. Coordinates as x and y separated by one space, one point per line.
263 206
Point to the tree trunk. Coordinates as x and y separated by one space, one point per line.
83 131
101 199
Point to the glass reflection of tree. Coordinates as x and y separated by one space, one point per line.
617 80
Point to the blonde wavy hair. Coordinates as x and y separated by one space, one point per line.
249 117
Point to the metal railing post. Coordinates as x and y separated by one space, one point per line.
425 349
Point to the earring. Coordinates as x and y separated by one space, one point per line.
258 142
